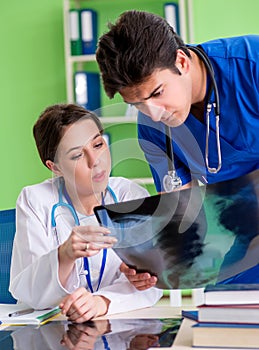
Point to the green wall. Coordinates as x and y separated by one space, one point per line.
32 71
223 18
31 77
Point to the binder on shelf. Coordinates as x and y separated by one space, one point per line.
87 91
74 32
107 138
171 13
88 20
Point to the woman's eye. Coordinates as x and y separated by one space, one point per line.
99 144
77 156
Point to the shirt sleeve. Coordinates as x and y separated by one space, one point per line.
34 266
125 297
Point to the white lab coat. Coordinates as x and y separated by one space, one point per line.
34 268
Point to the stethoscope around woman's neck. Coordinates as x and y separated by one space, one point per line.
69 205
62 191
171 181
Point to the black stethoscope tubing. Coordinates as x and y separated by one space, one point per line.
169 147
205 59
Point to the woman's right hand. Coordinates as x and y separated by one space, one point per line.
86 241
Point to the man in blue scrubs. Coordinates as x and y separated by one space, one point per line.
148 64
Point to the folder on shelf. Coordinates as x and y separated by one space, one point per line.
171 12
74 32
88 21
87 91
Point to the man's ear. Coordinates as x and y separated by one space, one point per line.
53 167
182 61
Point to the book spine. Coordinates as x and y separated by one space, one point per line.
88 20
171 13
74 32
87 91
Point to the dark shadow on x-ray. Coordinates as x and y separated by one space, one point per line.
193 237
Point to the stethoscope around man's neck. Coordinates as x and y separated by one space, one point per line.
69 205
171 181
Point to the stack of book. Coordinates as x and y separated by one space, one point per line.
229 317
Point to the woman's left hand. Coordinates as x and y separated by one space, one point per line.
81 305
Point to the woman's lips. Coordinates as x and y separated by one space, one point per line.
99 177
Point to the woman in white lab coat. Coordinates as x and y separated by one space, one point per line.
61 256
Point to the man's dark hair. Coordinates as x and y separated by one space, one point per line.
137 44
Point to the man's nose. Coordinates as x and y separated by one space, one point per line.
154 111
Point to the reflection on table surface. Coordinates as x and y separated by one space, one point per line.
113 334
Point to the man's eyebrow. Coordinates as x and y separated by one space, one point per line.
146 98
153 92
78 147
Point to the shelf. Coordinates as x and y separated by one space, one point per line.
82 58
144 180
118 120
111 115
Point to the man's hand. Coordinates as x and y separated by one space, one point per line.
141 281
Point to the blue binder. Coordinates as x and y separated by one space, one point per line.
87 91
88 31
171 13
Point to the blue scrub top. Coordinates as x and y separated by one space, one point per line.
236 65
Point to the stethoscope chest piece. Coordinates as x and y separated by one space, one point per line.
171 181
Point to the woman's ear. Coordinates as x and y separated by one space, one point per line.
53 167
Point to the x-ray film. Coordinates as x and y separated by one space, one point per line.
193 237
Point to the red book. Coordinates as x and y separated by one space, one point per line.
246 313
